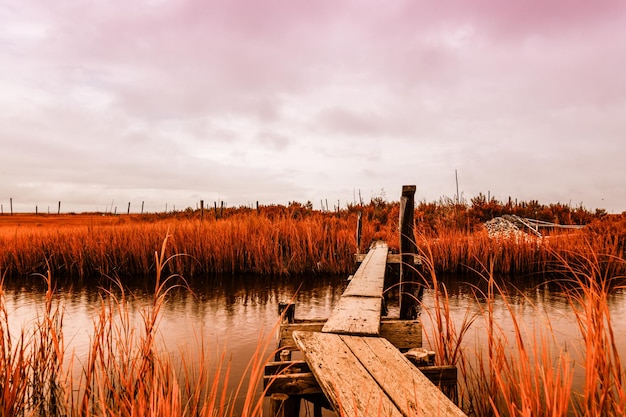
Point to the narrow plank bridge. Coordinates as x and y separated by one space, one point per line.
354 357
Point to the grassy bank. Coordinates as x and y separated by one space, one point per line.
515 371
295 239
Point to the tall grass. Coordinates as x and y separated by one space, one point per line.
242 243
512 367
279 241
588 292
126 371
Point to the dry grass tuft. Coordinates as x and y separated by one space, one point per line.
126 372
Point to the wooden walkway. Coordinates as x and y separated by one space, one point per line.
361 373
358 311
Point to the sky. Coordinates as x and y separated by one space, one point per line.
169 102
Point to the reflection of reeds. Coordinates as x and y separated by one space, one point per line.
521 370
125 373
13 366
588 292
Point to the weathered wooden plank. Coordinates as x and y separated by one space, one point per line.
416 395
287 367
296 378
358 310
369 279
440 376
355 315
347 384
403 334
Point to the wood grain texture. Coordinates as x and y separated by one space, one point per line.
367 376
405 385
347 384
369 278
403 334
355 315
358 310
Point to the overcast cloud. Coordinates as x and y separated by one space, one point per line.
176 101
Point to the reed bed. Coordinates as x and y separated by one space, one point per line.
522 369
455 251
243 243
125 372
279 242
294 239
521 373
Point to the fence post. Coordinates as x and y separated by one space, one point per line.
359 229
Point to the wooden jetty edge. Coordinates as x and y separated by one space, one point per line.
368 376
353 358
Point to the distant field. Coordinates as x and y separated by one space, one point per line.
295 239
62 220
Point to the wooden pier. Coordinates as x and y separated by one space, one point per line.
353 361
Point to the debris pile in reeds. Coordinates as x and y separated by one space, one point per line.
502 228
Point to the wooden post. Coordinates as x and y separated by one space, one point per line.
201 209
359 229
410 289
289 310
142 207
128 210
11 204
59 209
281 404
36 210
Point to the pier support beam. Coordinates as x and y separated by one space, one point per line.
410 287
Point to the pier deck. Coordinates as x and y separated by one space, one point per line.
352 358
358 311
360 373
368 376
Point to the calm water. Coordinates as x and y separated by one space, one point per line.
234 313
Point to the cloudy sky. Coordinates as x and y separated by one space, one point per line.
171 102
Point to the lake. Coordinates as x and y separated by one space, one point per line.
234 313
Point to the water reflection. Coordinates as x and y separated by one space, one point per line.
234 313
